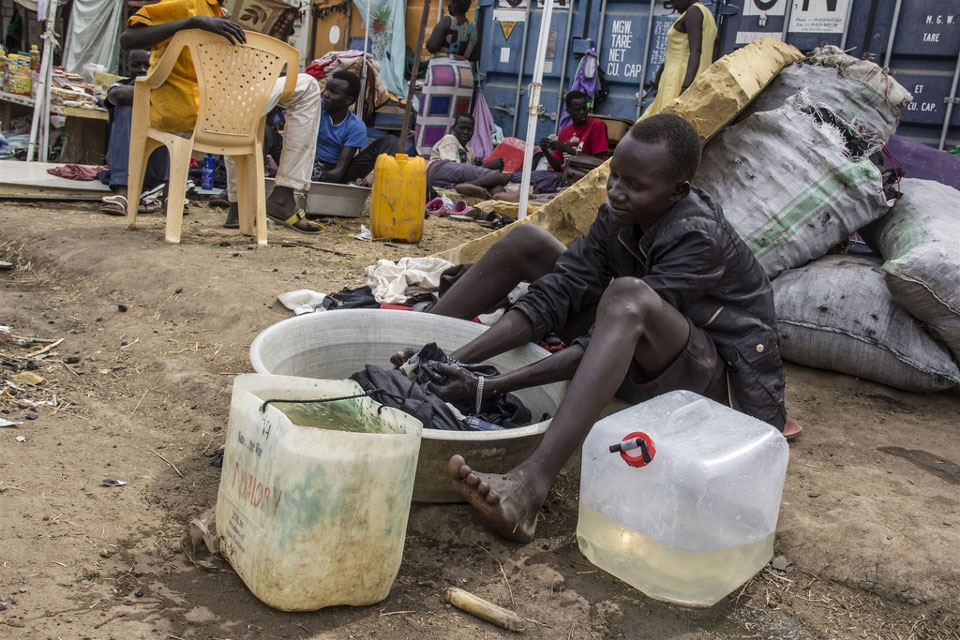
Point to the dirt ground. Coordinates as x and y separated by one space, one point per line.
152 335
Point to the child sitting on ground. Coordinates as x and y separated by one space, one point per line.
120 107
342 151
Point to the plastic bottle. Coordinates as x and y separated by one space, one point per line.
398 199
34 58
207 171
689 516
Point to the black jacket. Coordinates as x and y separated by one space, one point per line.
695 261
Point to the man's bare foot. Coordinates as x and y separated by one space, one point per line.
282 204
508 196
467 189
508 503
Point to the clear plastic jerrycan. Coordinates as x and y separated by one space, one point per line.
679 497
314 497
398 198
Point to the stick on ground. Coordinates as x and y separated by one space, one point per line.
466 601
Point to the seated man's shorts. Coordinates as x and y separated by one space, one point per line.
698 368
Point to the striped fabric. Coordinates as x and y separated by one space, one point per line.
447 91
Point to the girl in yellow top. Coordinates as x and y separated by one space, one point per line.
689 52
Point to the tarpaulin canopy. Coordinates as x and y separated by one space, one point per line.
94 35
387 36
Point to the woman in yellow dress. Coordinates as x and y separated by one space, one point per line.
689 52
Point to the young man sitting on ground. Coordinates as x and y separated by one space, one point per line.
120 106
174 104
672 299
454 166
585 139
342 153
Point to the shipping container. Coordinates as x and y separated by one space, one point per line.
919 40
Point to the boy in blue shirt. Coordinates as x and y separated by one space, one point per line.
342 152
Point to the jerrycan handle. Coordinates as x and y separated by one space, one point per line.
699 409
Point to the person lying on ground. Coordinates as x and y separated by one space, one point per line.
174 104
584 139
120 107
454 166
661 293
342 153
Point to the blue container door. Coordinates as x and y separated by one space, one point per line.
508 68
924 59
624 50
629 52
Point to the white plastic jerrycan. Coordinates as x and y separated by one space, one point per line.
679 497
314 497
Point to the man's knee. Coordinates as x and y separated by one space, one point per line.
528 239
631 298
388 144
306 87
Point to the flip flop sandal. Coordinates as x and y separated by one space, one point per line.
461 208
290 223
115 205
437 207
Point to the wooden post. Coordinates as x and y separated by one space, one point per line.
408 109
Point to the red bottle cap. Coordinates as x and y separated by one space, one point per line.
639 460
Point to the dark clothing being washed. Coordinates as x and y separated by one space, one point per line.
695 261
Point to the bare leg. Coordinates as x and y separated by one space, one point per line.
472 190
483 186
526 253
630 313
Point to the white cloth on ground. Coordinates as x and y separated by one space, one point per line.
302 301
393 283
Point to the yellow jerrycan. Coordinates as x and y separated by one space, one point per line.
399 197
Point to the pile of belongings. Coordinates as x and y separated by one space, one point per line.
799 172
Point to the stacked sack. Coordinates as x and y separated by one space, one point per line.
793 181
920 243
796 179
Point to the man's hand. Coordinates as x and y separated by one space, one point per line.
221 26
496 164
400 357
546 144
461 385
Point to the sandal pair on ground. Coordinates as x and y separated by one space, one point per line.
116 204
439 207
150 202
